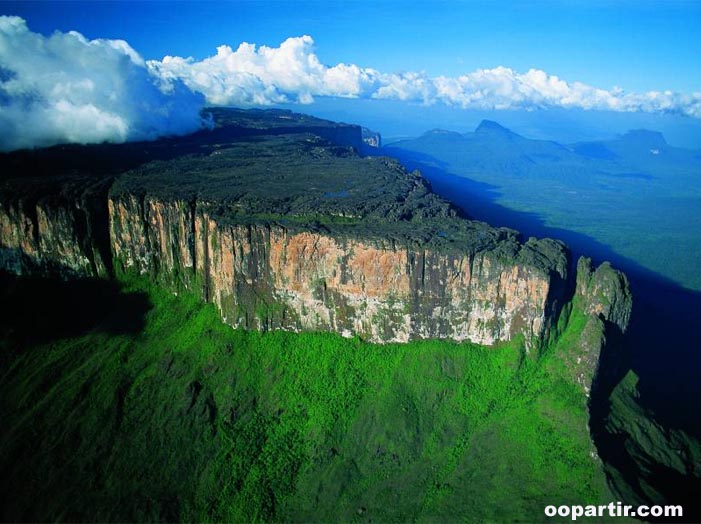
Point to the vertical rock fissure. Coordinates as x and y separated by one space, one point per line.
97 204
206 261
192 240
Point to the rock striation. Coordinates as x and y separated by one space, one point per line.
264 276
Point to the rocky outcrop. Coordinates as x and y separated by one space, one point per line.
604 293
602 305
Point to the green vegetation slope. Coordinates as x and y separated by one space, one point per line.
181 418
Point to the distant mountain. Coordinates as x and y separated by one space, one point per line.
644 138
641 149
494 129
493 148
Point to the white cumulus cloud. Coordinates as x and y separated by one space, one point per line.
65 88
292 72
266 75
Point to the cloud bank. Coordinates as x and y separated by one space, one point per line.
65 88
292 72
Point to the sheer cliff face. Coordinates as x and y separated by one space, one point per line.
59 234
266 277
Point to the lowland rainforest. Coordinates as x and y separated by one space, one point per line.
279 319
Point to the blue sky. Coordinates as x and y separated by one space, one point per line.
636 45
417 64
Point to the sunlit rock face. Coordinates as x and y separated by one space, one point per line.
265 277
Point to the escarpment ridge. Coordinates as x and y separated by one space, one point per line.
276 219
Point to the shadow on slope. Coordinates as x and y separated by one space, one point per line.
66 309
660 348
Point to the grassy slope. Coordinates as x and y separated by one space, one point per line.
191 420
